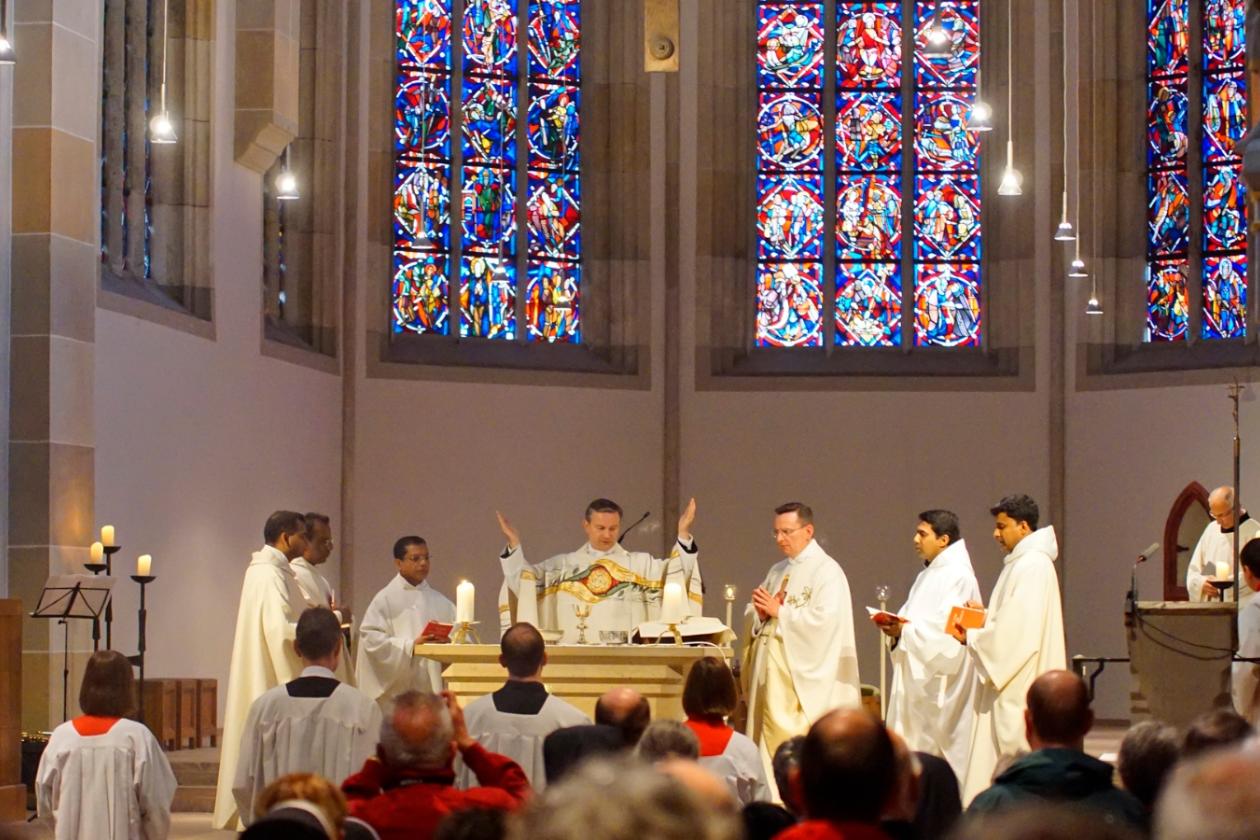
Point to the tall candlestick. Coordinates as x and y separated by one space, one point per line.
107 534
143 564
673 605
97 551
464 601
728 593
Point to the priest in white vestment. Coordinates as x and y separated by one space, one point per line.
315 587
1212 557
515 720
1021 639
102 776
929 703
262 649
313 724
801 661
1245 679
394 624
622 589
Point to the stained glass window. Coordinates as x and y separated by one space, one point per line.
882 155
1220 258
474 70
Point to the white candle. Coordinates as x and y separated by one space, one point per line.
673 605
98 552
107 534
143 564
464 602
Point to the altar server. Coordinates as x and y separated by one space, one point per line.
313 724
315 587
102 776
1021 639
1245 682
929 703
709 698
802 660
1213 552
394 624
621 588
262 650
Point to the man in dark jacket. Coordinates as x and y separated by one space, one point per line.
1058 770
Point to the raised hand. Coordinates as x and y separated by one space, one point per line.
513 536
462 738
684 521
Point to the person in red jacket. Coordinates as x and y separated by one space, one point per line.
408 787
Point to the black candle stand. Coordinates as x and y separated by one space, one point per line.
143 580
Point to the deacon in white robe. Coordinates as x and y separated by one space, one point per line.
105 778
1245 682
394 624
801 661
313 724
1212 557
622 589
929 703
315 587
1021 639
262 649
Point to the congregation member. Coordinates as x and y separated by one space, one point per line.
684 770
1245 676
1214 730
298 806
621 716
406 790
1148 753
262 649
933 679
316 590
394 623
940 801
1057 769
313 724
787 758
1021 639
622 588
1213 557
102 776
802 660
515 720
709 698
764 820
1214 796
666 739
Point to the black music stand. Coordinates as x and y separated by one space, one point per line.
72 596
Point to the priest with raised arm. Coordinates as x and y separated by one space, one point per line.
1213 553
801 661
621 588
394 624
933 679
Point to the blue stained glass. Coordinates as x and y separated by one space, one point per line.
789 45
422 207
423 29
552 301
868 217
489 210
868 304
947 305
420 293
961 22
422 110
789 305
489 121
554 229
1224 115
868 45
1166 125
1168 37
1224 34
790 217
1225 297
487 298
553 126
946 217
555 38
1224 210
490 36
868 131
1168 213
790 132
941 139
1167 301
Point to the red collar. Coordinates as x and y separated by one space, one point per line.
713 733
89 725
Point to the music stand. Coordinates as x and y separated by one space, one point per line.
72 596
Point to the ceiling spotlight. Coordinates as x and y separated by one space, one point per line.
980 118
161 130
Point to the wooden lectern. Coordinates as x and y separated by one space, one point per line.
1180 655
580 673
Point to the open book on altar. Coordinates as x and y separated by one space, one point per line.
695 628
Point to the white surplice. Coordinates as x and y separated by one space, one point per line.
622 588
114 786
318 593
1245 682
802 664
315 724
929 703
740 766
1021 639
385 665
1211 558
519 737
262 658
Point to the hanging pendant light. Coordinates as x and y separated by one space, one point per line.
1077 268
161 129
1011 179
286 182
1092 306
938 43
1065 233
980 116
7 54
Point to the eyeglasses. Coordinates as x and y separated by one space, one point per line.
786 532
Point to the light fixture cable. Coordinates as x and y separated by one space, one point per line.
1010 178
1065 233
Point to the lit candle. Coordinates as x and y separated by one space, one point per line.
143 564
97 551
728 592
673 605
107 534
464 602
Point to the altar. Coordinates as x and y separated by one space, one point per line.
580 673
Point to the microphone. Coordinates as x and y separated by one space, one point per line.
1131 599
636 524
1149 553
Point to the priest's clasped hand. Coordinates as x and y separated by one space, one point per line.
766 605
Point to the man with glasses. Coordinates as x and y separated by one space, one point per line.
1212 554
315 587
801 661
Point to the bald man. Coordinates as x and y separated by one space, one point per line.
1057 769
1214 553
621 715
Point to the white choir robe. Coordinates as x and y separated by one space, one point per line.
262 658
386 665
1022 638
622 588
1211 558
314 724
929 704
804 663
518 736
1245 682
114 786
318 593
740 766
